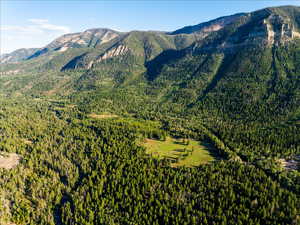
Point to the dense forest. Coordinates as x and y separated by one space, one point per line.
80 170
77 121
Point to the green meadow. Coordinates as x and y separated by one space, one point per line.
188 153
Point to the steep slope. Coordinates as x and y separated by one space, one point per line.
251 48
143 46
207 27
188 64
258 29
89 38
233 83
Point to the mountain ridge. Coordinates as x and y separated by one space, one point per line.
82 111
17 55
261 31
224 20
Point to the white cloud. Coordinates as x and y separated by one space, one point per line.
45 25
36 33
21 30
36 26
38 21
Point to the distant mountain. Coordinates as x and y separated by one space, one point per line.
17 55
267 27
90 38
197 66
142 46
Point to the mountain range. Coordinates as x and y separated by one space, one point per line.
237 62
267 26
200 125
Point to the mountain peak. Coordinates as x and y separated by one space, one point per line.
101 30
207 27
87 38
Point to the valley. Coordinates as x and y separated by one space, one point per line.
194 126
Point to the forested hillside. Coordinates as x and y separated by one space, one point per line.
79 111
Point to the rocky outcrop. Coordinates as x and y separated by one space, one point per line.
88 38
261 28
279 30
85 61
270 33
119 50
116 51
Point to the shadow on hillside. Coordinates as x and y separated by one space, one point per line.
212 151
154 66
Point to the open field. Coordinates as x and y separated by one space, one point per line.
193 154
102 116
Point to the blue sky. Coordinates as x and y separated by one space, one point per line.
35 23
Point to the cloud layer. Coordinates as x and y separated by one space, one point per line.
37 33
37 26
45 25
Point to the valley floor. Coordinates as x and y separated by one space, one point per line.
66 166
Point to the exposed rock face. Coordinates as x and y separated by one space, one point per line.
119 50
116 51
279 29
263 28
83 61
270 33
108 36
276 28
88 38
63 49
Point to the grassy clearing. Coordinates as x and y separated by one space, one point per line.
190 155
102 116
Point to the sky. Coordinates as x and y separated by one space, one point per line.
35 23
